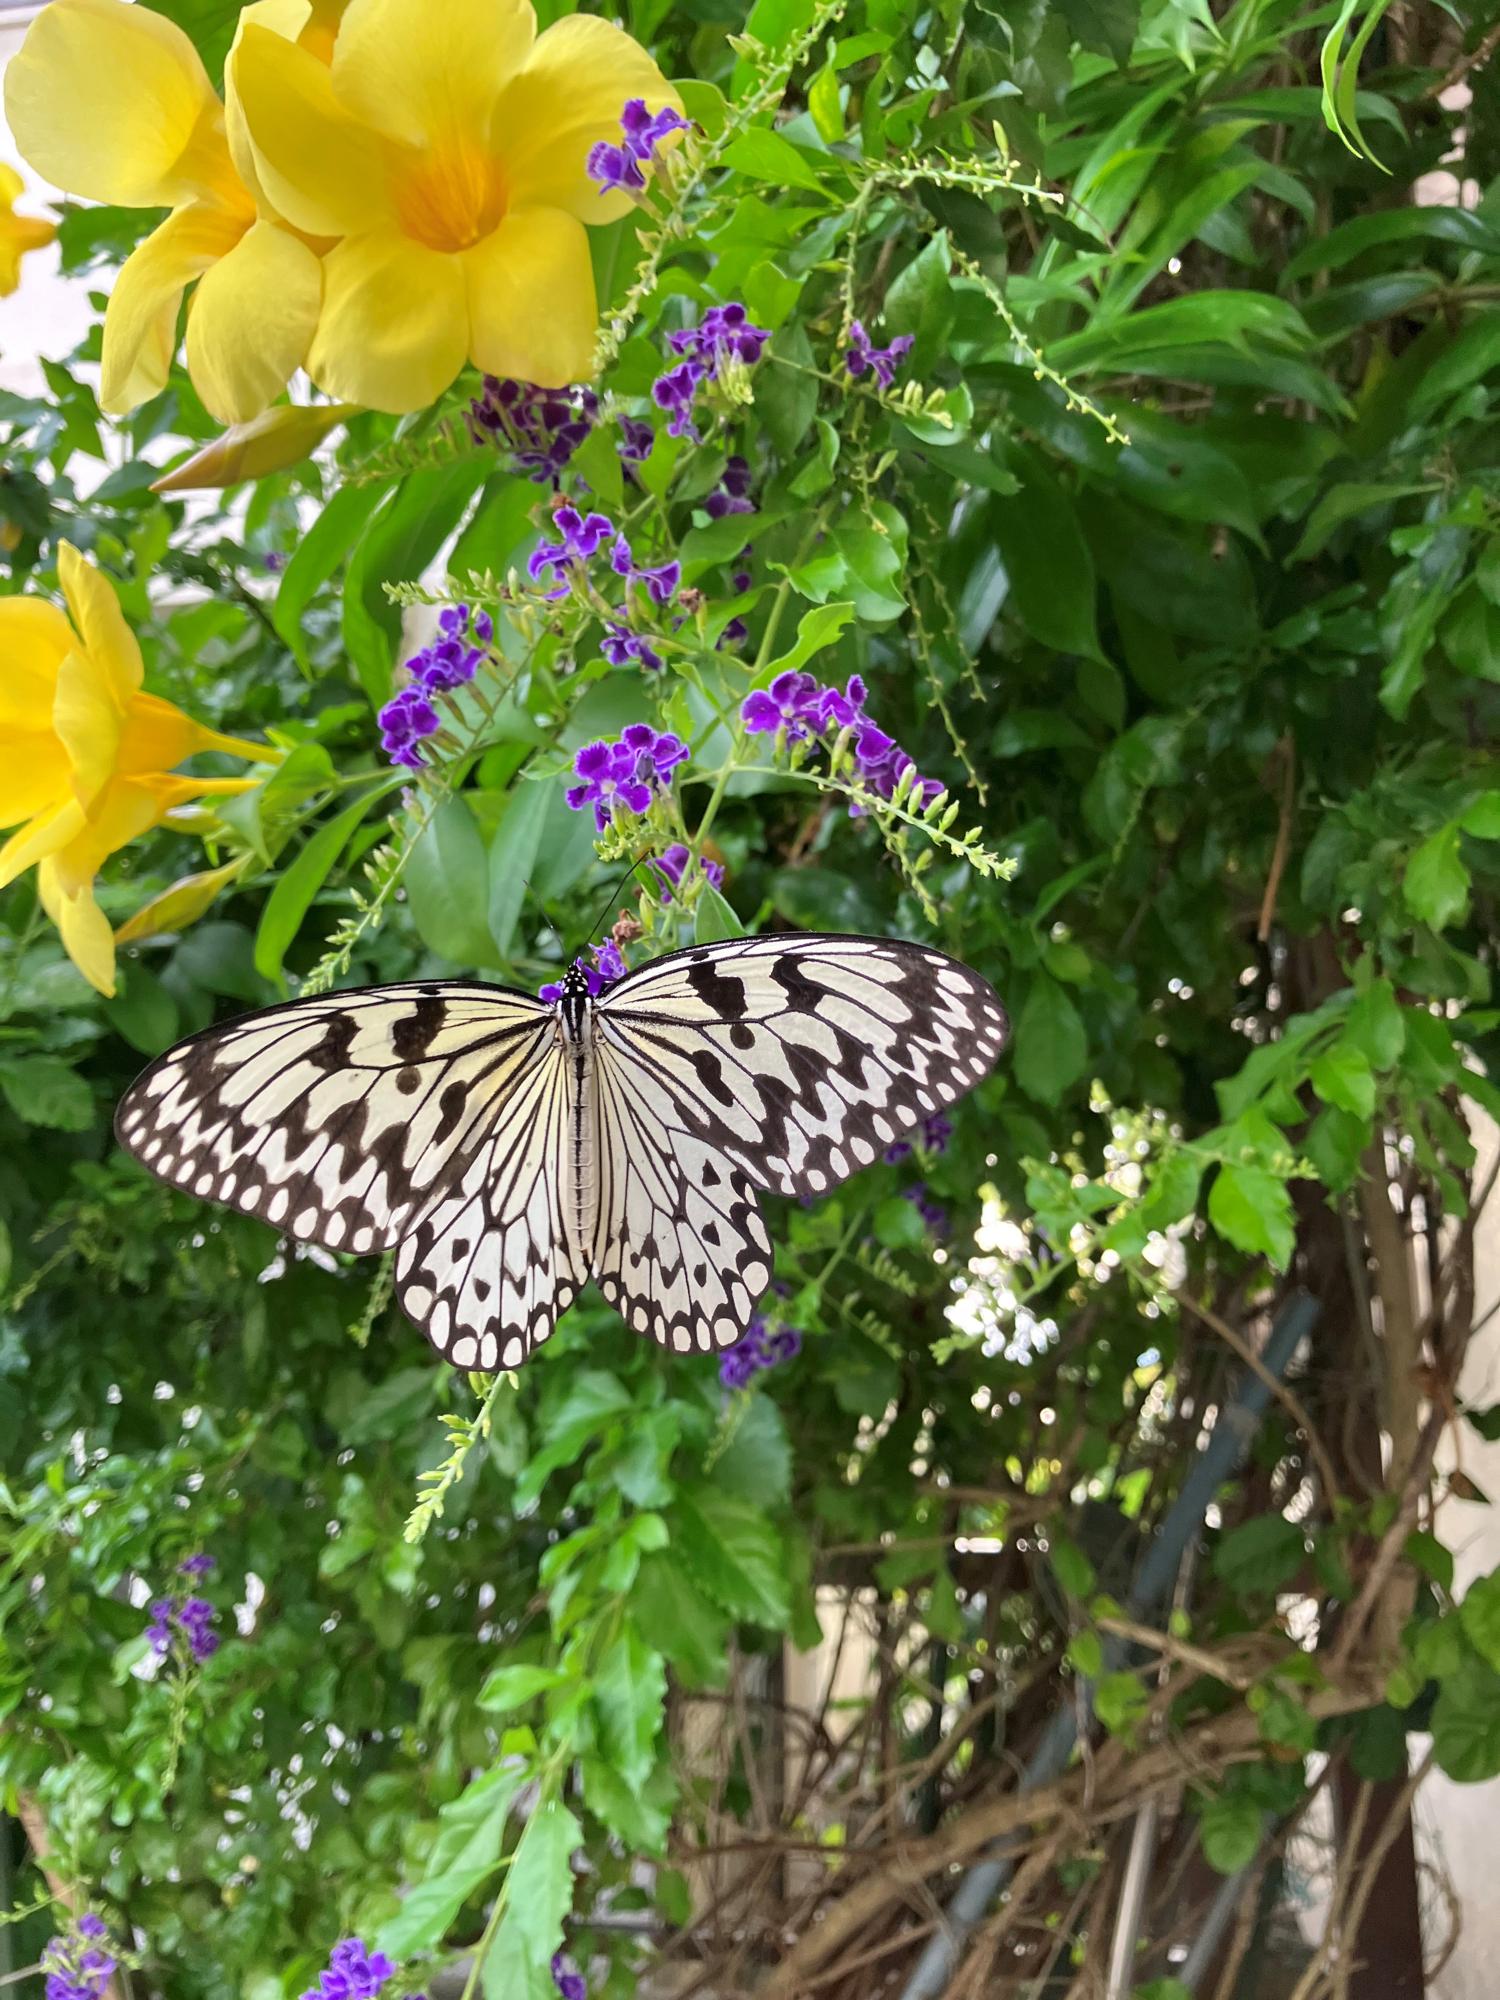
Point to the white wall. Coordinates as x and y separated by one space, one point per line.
48 314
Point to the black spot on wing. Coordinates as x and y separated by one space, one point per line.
719 990
412 1037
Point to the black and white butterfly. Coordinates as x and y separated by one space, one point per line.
508 1149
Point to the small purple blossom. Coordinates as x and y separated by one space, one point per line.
793 703
933 1135
932 1212
724 334
198 1565
735 633
352 1974
676 392
405 721
186 1620
862 357
671 863
620 646
621 169
796 707
732 495
627 774
757 1348
570 1983
539 428
582 537
274 561
636 440
661 582
76 1968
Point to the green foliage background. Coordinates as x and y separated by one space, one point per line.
1188 586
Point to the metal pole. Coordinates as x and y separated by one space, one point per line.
1237 1424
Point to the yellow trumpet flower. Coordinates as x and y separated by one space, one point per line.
89 753
18 233
111 102
446 147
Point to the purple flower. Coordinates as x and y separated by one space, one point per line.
159 1631
675 392
581 538
541 428
661 582
626 774
735 633
274 561
864 358
620 646
353 1973
621 168
792 703
571 1984
670 864
932 1212
732 495
199 1565
723 334
757 1348
404 721
76 1969
636 440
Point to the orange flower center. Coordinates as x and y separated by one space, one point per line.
455 198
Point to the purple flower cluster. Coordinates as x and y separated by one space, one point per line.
932 1212
636 440
626 775
671 864
620 646
864 358
583 535
570 1983
76 1962
540 428
933 1135
608 965
661 582
723 336
732 495
449 662
352 1974
757 1348
189 1617
622 168
798 708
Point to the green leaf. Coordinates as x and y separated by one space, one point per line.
1436 883
1107 27
1051 1047
756 1464
630 1691
1230 1827
1047 560
392 1407
400 541
293 892
920 301
512 860
466 1853
815 630
43 1091
593 1400
1073 1569
1466 1722
763 155
143 1011
539 1889
340 522
786 388
1119 1702
1342 1076
631 1814
1260 1555
1086 1652
713 918
1251 1208
734 1554
1482 818
1373 1025
693 1632
1479 1615
871 543
510 1688
447 887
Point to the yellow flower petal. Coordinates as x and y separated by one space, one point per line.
100 624
18 234
251 320
37 775
12 187
155 736
319 167
569 96
40 837
394 329
111 101
531 299
429 74
89 720
140 323
86 935
34 637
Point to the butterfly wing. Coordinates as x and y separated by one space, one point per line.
781 1063
381 1117
492 1262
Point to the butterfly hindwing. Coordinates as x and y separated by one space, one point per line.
799 1059
680 1246
491 1264
337 1119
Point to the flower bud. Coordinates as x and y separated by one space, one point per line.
271 442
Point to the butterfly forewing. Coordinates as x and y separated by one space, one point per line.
337 1119
799 1059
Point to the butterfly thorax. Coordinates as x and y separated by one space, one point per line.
576 1010
574 1005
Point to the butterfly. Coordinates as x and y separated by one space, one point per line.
507 1149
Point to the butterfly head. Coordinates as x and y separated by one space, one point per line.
575 998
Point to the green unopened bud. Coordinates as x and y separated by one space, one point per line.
271 442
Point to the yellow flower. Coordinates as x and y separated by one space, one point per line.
18 233
445 145
111 102
88 754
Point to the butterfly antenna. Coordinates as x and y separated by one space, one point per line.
613 894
